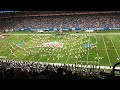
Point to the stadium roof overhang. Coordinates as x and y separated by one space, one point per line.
16 14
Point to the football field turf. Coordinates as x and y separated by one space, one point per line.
95 48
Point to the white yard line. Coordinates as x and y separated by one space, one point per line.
118 38
5 53
27 34
80 55
97 52
88 50
81 34
58 58
68 58
69 34
115 48
21 52
3 50
39 58
106 51
9 54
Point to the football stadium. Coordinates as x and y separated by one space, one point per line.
59 44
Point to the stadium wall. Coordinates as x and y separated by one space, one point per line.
52 29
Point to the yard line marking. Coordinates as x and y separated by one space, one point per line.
119 41
68 57
97 52
80 55
10 53
58 58
3 50
21 52
106 51
69 52
115 48
88 50
80 49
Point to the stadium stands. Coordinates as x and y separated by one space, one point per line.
11 69
64 21
35 70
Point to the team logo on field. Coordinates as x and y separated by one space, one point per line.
52 44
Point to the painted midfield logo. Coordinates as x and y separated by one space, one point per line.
52 44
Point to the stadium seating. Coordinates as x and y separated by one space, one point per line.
66 21
36 70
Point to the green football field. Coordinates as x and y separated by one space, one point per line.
95 48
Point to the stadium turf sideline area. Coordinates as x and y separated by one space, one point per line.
95 48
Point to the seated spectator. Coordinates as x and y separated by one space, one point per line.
22 75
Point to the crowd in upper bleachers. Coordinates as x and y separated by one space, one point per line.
62 21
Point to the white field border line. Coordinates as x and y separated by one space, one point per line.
98 34
106 51
115 48
27 34
69 34
97 52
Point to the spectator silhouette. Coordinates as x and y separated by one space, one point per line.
22 75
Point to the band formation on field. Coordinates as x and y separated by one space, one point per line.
101 49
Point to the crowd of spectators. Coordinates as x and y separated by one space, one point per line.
12 69
63 21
